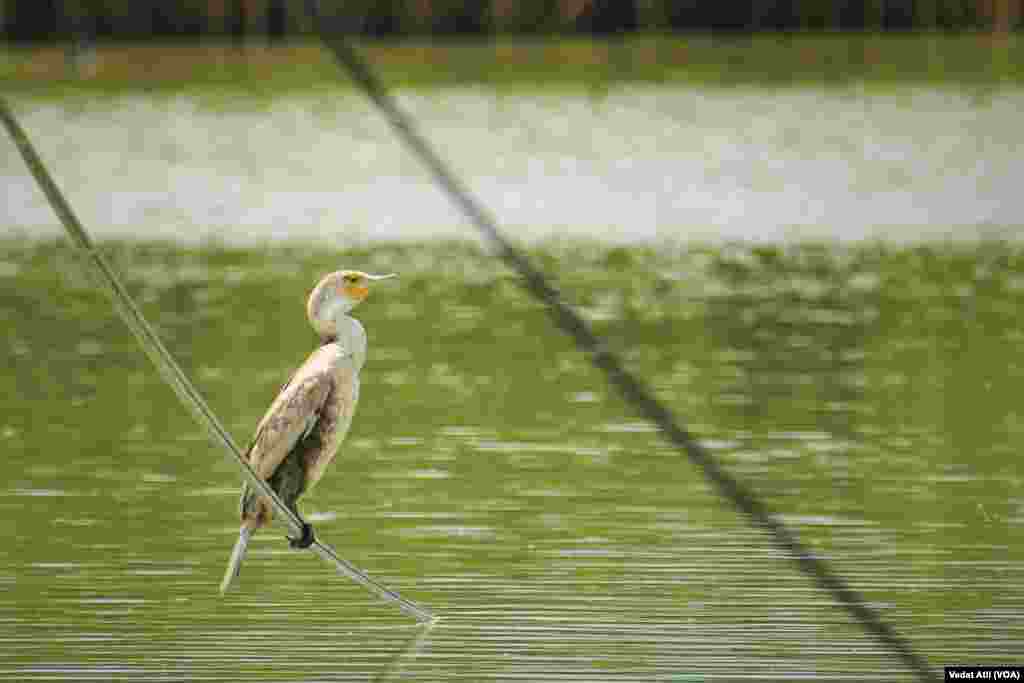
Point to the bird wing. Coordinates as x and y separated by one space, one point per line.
336 418
291 416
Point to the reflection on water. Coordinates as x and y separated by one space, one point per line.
639 164
869 393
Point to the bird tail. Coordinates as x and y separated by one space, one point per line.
237 555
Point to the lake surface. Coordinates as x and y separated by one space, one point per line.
870 393
633 164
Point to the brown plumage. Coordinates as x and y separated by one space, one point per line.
304 426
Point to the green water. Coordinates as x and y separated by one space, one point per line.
870 394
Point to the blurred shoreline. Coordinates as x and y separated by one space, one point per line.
651 139
841 59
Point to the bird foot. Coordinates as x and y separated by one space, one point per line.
306 540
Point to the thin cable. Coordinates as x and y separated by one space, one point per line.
632 389
172 373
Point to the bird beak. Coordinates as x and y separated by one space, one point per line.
381 277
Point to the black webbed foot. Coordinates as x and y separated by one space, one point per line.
306 540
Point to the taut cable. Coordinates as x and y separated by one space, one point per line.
632 388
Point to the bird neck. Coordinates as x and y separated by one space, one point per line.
351 336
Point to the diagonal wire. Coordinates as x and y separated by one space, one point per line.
633 390
172 373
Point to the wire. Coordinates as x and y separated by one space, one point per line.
633 389
172 373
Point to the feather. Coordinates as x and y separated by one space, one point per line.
294 412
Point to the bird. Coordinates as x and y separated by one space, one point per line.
305 425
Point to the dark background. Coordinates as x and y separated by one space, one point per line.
53 20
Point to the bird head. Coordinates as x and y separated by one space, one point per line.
337 294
